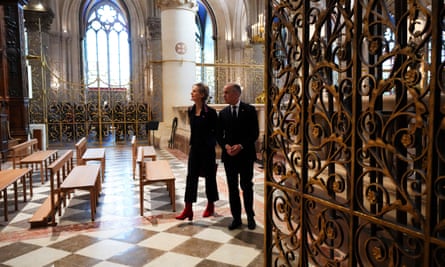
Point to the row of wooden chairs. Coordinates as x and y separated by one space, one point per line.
151 172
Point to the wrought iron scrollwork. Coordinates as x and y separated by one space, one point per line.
68 122
355 129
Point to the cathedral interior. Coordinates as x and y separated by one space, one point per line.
350 98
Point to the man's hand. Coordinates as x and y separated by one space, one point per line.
233 150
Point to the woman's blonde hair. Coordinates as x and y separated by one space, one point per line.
204 90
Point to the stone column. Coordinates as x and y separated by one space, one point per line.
154 69
17 95
178 58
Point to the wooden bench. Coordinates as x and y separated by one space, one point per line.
10 177
22 150
151 172
85 177
42 158
147 152
59 170
84 154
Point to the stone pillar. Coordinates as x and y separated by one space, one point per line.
154 75
178 58
17 98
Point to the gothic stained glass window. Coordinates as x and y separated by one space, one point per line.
106 47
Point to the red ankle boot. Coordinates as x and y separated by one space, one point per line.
210 209
186 213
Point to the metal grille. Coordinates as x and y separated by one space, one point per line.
109 124
104 115
355 142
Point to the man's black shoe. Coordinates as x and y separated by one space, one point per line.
251 224
235 224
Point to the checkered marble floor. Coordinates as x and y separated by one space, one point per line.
120 237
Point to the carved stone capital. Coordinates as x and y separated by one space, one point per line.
154 27
187 4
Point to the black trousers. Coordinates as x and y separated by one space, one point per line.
201 163
239 173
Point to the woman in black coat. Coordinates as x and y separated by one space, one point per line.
202 156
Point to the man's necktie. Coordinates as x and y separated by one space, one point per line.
234 111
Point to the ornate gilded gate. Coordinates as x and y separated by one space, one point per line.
105 116
102 124
355 147
70 111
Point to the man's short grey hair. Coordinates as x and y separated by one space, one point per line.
235 86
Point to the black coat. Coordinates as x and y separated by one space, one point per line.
244 130
203 127
202 154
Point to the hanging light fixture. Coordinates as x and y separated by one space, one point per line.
257 29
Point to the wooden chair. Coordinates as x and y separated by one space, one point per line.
158 171
84 154
145 152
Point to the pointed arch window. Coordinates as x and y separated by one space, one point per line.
205 50
106 47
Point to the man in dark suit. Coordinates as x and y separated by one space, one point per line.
237 134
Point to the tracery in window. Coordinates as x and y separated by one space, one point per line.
106 48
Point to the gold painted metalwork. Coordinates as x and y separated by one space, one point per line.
109 116
71 111
355 151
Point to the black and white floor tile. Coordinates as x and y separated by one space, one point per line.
120 237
